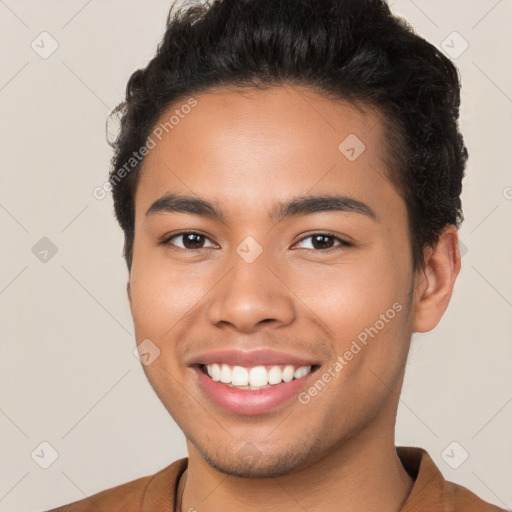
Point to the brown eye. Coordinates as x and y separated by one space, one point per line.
189 240
324 241
193 241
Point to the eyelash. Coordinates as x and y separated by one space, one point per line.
342 243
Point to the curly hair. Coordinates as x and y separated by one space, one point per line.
353 50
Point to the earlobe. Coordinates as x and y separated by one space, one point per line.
435 282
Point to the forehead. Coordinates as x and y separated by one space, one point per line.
246 146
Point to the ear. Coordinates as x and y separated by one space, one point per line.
434 283
129 293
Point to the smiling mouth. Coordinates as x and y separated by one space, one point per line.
257 377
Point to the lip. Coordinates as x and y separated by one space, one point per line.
251 402
252 358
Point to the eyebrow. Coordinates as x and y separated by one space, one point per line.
300 205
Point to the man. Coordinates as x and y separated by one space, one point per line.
288 177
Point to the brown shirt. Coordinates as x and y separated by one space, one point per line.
157 493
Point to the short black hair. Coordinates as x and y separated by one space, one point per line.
353 50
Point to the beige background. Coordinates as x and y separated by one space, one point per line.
67 369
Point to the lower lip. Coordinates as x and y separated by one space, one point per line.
250 402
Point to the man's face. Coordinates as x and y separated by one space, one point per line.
257 290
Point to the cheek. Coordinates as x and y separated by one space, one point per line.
364 303
163 294
352 294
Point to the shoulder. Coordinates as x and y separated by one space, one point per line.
134 495
464 499
432 492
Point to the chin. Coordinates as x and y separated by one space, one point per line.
250 462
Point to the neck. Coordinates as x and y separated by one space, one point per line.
363 475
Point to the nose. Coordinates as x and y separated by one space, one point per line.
251 296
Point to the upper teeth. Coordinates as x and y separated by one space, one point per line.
257 376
